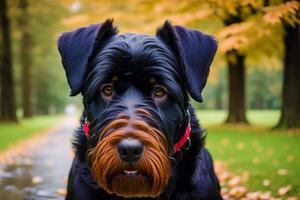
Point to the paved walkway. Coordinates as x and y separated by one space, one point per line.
41 174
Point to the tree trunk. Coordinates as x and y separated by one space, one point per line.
8 102
236 77
26 58
290 107
218 97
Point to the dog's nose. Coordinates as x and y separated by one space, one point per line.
130 150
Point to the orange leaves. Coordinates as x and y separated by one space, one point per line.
233 36
190 16
233 186
286 11
236 29
76 20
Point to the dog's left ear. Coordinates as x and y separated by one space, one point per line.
77 47
195 50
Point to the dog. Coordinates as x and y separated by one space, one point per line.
139 137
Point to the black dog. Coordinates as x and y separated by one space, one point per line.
139 137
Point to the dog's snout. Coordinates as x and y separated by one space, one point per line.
130 149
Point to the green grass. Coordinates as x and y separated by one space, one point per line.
255 149
11 133
257 117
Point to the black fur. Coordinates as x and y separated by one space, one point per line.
135 59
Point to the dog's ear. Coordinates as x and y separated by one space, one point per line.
195 50
77 47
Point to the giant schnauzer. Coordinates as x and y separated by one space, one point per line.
139 137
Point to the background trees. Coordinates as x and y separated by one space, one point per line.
258 41
25 55
8 102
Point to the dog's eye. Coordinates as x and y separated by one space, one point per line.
159 92
107 90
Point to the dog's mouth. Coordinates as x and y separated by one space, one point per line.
130 173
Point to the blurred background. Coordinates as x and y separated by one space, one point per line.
251 101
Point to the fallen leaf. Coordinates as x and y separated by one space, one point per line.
266 182
290 158
253 195
284 190
234 182
61 191
292 198
238 192
225 141
240 145
265 196
225 176
259 149
282 172
270 152
256 160
36 179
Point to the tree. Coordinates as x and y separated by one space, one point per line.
261 19
8 103
26 57
236 77
290 108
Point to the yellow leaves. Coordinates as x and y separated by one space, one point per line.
76 20
234 42
242 36
235 36
229 6
236 29
190 16
287 11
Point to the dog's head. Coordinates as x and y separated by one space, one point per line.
135 92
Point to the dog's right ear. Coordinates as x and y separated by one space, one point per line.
195 50
77 47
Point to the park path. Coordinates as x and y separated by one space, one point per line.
42 173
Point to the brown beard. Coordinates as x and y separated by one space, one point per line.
153 167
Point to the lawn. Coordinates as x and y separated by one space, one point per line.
11 133
268 156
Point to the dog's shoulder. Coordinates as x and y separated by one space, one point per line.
205 181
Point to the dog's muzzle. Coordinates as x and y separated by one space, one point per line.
131 159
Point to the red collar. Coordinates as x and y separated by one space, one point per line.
85 127
183 139
177 146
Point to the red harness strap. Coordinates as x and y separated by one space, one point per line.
183 139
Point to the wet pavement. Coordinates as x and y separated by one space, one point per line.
42 173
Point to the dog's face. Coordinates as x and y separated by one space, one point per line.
135 90
135 99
